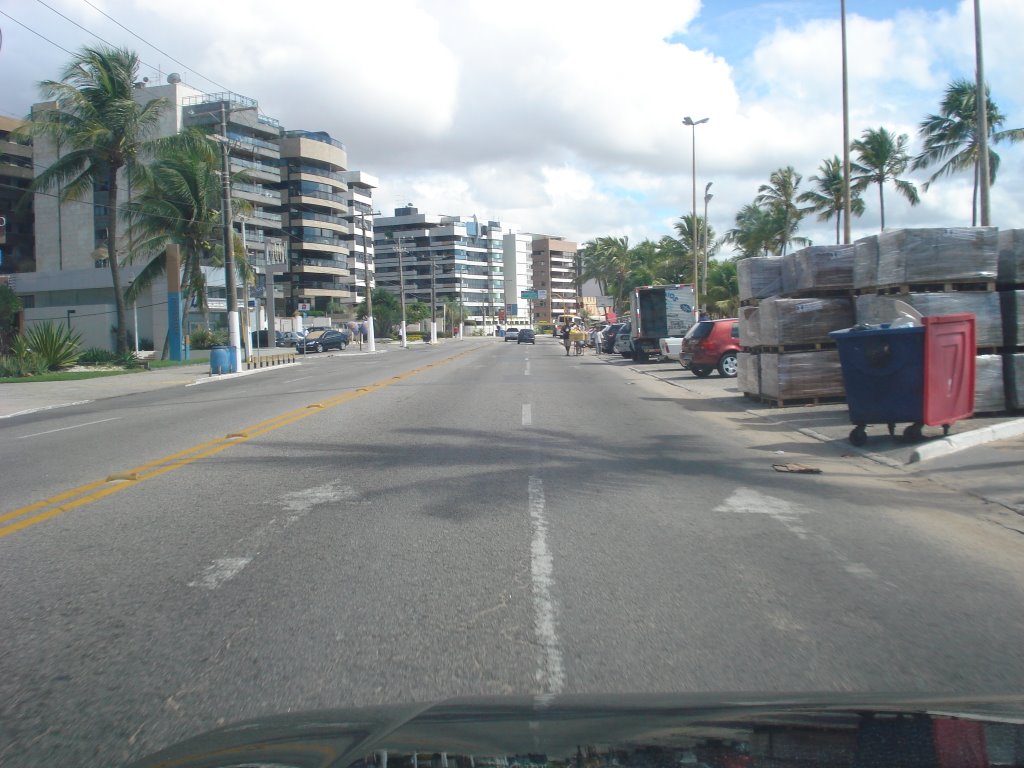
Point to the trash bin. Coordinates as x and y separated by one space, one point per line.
222 359
920 374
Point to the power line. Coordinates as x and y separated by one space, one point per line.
155 48
37 34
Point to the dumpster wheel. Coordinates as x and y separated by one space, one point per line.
913 432
858 435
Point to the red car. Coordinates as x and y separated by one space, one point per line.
711 344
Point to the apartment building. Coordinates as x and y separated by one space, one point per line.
554 277
460 258
295 212
17 250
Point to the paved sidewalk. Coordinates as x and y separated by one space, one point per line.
982 456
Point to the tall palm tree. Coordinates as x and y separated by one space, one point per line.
178 201
951 138
675 262
827 200
106 132
723 287
754 233
882 157
779 197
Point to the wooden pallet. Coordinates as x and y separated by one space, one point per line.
793 402
821 293
819 346
985 286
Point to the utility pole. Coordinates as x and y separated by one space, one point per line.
433 298
371 342
707 199
234 341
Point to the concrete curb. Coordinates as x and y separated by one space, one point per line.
250 372
947 445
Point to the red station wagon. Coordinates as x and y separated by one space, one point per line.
711 344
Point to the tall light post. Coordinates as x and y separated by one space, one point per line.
245 297
707 199
696 254
229 257
401 283
847 236
981 107
433 298
371 342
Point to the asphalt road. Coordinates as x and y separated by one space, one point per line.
477 518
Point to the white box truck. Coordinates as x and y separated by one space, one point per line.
660 311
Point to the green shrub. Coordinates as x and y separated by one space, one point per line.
22 361
96 356
55 344
204 338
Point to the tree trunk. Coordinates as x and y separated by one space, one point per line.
974 198
115 268
839 219
881 201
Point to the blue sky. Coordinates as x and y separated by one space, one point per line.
566 117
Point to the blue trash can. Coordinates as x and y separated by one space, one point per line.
222 359
883 372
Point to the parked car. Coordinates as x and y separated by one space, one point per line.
623 341
511 334
288 338
711 344
608 345
670 347
526 336
318 341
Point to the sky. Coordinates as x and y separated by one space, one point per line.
565 117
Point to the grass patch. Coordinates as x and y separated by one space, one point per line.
65 376
177 363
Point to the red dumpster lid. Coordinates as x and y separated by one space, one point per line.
949 350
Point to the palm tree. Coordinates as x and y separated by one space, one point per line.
609 262
883 157
675 262
106 130
754 233
723 287
951 136
178 201
779 197
827 200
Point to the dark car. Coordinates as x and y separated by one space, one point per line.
526 336
608 339
711 344
318 341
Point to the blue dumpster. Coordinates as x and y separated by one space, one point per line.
918 374
222 359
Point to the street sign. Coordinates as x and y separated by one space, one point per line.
304 306
529 294
541 294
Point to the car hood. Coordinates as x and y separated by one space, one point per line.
698 731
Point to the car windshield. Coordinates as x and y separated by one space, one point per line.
446 486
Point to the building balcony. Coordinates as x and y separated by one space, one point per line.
312 265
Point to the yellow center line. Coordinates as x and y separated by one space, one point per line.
99 489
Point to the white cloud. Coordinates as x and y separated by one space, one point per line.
564 116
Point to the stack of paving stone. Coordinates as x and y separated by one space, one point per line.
788 358
947 271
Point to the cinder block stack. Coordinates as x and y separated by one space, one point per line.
788 357
941 272
1010 281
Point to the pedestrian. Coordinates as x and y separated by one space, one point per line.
565 338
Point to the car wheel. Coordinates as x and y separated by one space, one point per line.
701 371
319 347
727 366
341 347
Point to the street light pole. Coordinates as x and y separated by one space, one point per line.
433 299
371 342
71 312
707 199
696 257
847 227
981 107
401 287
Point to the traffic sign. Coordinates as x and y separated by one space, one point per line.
528 294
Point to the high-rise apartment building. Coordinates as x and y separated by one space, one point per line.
464 260
554 277
17 253
298 212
